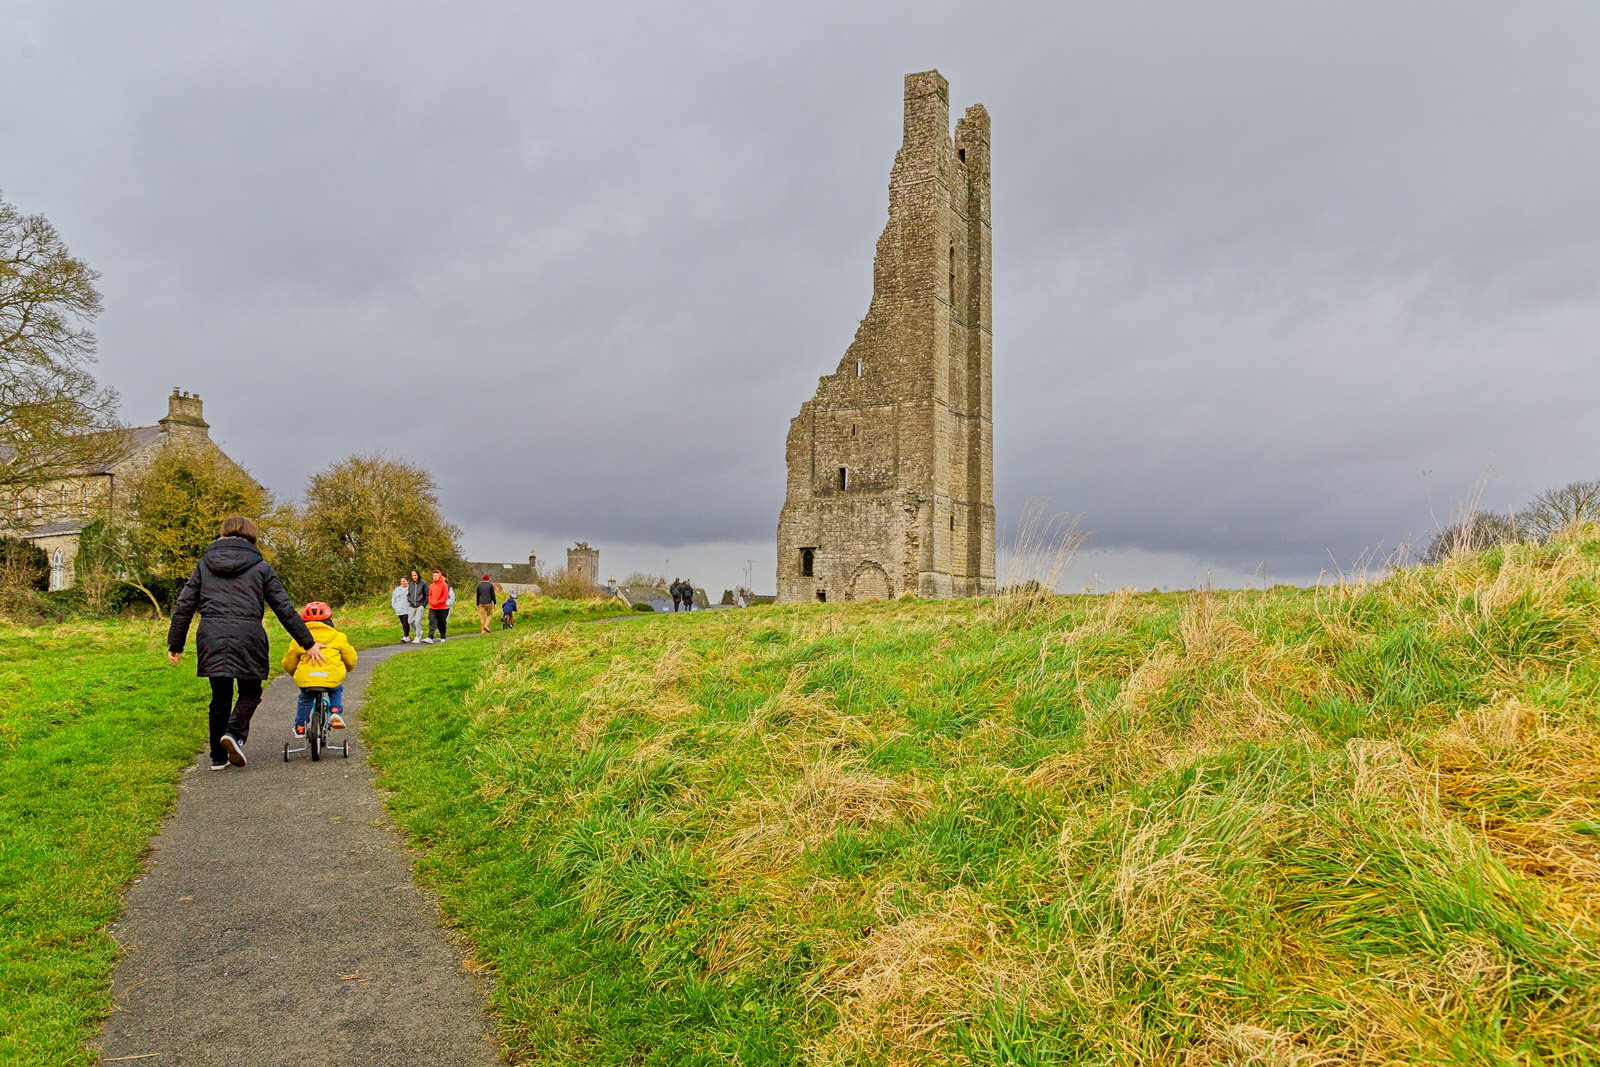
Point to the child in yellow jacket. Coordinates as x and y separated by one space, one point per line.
338 657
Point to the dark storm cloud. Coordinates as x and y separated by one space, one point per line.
1258 267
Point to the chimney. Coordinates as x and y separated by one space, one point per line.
184 417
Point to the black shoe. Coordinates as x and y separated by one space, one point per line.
235 749
219 765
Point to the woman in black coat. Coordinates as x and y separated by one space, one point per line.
231 586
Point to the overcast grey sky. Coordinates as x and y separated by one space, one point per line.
1267 276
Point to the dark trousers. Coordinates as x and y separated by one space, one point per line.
405 626
438 618
676 603
228 717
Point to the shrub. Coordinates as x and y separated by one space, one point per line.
23 565
644 606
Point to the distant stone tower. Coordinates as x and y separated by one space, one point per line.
584 562
891 463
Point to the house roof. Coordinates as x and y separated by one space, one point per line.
56 529
138 438
135 439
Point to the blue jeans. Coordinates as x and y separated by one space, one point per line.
302 710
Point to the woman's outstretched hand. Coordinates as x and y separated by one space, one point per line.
174 658
315 654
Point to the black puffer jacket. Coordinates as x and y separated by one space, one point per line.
417 593
231 587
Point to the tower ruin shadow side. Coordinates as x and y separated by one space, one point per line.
891 463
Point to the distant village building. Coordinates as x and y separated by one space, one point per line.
519 578
891 463
54 516
659 596
584 563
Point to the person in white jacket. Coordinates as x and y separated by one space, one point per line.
400 604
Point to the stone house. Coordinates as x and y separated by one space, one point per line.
891 463
519 578
53 516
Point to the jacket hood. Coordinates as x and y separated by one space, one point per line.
322 632
229 557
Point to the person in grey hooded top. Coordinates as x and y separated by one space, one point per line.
400 604
230 588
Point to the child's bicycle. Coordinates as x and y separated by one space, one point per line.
316 738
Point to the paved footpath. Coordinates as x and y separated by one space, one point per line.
277 921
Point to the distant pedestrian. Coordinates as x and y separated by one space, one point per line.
677 594
400 604
508 612
486 602
417 597
230 589
687 592
440 597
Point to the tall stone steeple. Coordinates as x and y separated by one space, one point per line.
891 463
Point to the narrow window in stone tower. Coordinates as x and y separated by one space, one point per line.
844 477
808 562
852 429
961 154
858 368
952 523
952 273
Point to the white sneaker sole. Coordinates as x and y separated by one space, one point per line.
235 750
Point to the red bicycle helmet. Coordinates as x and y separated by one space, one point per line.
316 611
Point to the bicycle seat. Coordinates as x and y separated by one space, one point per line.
317 690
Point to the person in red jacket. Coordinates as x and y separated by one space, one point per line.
438 607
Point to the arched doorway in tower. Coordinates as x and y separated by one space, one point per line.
870 582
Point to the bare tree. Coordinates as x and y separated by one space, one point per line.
1555 508
1477 531
55 420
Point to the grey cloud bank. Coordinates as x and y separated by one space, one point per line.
1257 269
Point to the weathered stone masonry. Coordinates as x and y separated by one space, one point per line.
891 463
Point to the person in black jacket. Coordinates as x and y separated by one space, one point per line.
676 589
686 590
230 588
417 597
485 604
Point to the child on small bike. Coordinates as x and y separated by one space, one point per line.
338 657
508 612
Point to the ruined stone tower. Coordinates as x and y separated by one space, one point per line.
891 463
584 562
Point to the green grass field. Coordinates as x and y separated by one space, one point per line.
95 728
1345 825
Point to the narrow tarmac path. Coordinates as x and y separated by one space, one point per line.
277 921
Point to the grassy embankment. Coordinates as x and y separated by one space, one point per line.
94 729
1298 826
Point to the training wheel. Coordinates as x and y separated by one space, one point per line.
286 752
347 750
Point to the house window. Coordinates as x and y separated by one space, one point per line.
844 478
58 571
38 503
808 562
83 500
